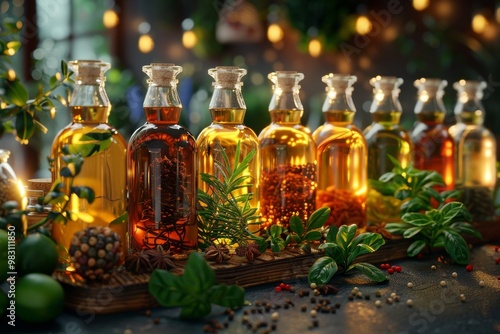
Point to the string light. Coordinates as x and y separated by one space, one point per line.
110 19
275 33
420 4
479 23
146 43
315 47
363 25
189 39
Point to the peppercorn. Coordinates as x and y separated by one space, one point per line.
469 267
410 285
433 267
454 275
378 303
409 302
481 283
303 308
442 283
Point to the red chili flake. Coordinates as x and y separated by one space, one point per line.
390 271
398 269
497 249
277 289
287 287
497 260
469 267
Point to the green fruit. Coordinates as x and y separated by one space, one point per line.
36 254
4 302
39 298
4 268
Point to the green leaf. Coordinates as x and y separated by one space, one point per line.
412 231
15 93
416 247
196 310
296 225
363 244
466 228
332 250
312 235
318 218
456 246
416 219
25 126
198 274
322 270
169 289
227 295
370 271
454 210
84 192
306 248
332 233
396 228
275 231
64 68
345 235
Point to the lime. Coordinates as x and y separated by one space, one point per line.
3 255
39 298
36 254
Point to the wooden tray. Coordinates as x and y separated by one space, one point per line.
126 292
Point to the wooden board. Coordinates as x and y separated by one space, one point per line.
126 292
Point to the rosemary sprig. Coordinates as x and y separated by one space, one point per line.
225 213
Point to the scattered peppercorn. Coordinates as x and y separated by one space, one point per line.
454 275
409 302
359 295
433 267
393 294
481 283
351 297
396 299
469 267
389 300
313 300
378 303
275 316
462 298
390 271
303 308
410 285
313 313
313 286
497 261
398 269
378 293
497 248
442 283
277 289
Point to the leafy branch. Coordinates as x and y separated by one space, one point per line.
224 211
312 231
194 291
341 248
438 228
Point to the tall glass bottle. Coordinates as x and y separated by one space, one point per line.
227 108
341 155
162 179
434 146
288 156
104 168
475 144
384 136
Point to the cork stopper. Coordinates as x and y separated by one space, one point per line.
430 85
386 84
41 185
89 72
338 81
286 80
227 76
162 74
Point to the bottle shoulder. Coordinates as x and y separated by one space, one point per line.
377 130
150 129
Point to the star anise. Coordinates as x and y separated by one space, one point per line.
250 251
217 253
138 263
160 258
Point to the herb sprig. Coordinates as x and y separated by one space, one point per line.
194 291
341 249
312 231
438 228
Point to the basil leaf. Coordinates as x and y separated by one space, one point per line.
169 289
275 231
322 270
227 295
369 270
313 235
332 233
456 246
296 225
332 250
454 210
345 235
196 310
198 275
396 228
416 219
412 231
466 228
318 218
416 247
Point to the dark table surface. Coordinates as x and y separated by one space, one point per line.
435 309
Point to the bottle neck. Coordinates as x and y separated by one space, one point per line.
90 103
430 110
339 117
469 109
285 106
162 104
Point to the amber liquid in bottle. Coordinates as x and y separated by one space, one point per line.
227 130
104 172
342 177
434 147
161 161
385 137
288 171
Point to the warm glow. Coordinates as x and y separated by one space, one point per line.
424 97
146 43
314 48
11 51
189 39
420 4
52 112
363 25
275 33
11 75
479 23
110 19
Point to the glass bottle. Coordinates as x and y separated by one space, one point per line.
341 155
288 156
161 161
227 109
475 144
434 148
384 136
104 168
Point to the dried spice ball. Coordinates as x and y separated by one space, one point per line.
95 252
